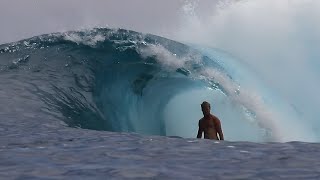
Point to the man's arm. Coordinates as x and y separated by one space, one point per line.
200 130
219 129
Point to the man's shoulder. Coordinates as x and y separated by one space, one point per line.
215 118
202 120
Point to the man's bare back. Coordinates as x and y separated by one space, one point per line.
210 125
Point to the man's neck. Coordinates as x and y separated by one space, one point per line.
207 116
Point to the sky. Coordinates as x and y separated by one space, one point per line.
25 18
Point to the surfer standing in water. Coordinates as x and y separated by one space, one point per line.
210 125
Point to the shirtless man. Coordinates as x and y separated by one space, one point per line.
209 124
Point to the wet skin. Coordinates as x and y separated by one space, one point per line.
210 125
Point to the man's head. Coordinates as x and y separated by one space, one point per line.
205 107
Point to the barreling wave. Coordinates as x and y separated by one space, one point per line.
124 81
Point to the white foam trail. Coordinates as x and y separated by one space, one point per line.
163 56
265 117
166 58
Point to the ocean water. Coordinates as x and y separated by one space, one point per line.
113 103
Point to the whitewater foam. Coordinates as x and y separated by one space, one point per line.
277 42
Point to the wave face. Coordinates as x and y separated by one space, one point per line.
124 81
